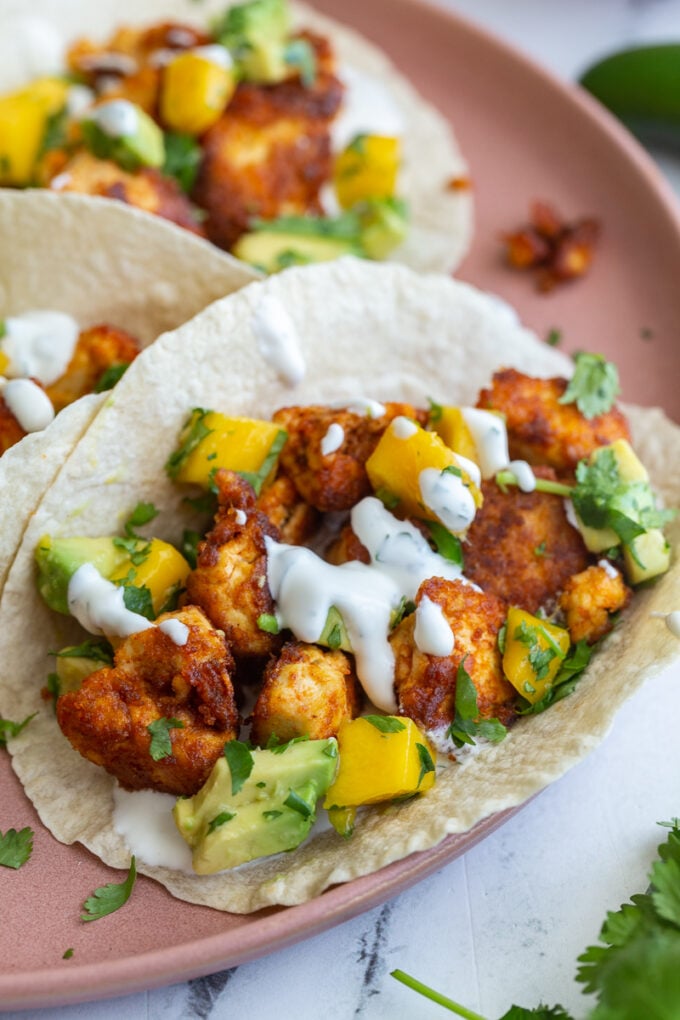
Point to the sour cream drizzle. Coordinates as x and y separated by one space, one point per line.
523 472
117 118
333 440
608 568
277 339
432 633
490 438
447 496
403 428
215 54
177 631
672 621
98 605
361 405
144 819
241 516
29 404
39 344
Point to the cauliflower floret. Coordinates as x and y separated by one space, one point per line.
588 600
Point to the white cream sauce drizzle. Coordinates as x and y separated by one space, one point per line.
97 604
432 633
215 54
447 496
177 631
333 440
523 472
29 404
361 405
144 819
277 339
118 118
369 108
241 517
403 428
79 99
470 468
672 621
490 438
39 344
609 569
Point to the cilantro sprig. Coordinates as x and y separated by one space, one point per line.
565 681
13 729
109 898
15 847
467 724
159 731
594 385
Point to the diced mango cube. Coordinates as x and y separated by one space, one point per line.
23 118
403 452
162 571
194 93
367 168
381 758
534 650
450 424
211 440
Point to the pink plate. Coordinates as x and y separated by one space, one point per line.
526 136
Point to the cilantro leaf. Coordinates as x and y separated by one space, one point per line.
159 730
449 546
138 600
594 385
136 553
565 681
53 688
195 430
182 159
297 803
259 477
553 338
426 763
466 724
13 729
435 411
142 514
277 747
110 376
67 954
109 898
240 761
94 648
385 723
189 546
221 819
15 847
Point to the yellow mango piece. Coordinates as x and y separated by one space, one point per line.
450 424
367 168
381 757
211 440
534 650
4 362
161 571
342 819
403 451
23 118
194 93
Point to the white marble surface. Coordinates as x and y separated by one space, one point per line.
506 922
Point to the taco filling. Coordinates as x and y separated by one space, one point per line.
378 584
247 131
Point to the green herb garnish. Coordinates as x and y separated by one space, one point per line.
240 761
182 159
159 729
594 385
15 847
221 819
385 723
13 729
193 433
109 898
110 376
268 623
466 724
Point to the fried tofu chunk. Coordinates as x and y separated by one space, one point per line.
588 600
146 189
307 691
270 153
425 685
154 679
296 520
10 429
97 349
335 480
521 547
230 579
543 431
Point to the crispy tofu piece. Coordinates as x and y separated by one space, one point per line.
588 600
337 480
269 154
10 429
145 189
543 431
307 691
230 579
97 349
426 684
347 547
153 678
521 547
296 520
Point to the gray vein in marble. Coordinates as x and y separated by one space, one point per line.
371 954
204 993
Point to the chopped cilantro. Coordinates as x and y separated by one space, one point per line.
345 227
435 413
189 546
138 600
206 503
405 608
109 898
159 730
564 683
502 637
297 803
258 478
3 328
240 761
334 637
385 723
68 953
142 514
110 376
136 553
182 159
94 648
269 816
300 53
541 552
15 847
268 623
194 432
594 385
56 132
277 747
13 729
387 498
53 688
358 145
426 763
466 724
221 819
451 469
554 338
449 546
539 657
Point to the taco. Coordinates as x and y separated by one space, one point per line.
127 293
280 135
431 337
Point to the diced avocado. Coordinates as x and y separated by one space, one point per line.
256 33
76 662
384 225
271 250
233 819
646 556
143 145
334 634
631 469
59 558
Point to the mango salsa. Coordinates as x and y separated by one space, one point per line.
450 424
23 119
367 168
162 571
534 651
211 440
381 758
194 93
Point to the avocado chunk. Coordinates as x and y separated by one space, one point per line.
77 662
647 556
272 250
384 225
256 34
59 558
122 131
263 804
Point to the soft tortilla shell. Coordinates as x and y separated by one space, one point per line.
438 338
441 217
141 274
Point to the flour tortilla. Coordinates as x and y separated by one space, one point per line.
441 218
366 330
99 262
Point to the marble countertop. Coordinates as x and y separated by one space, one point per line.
506 922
